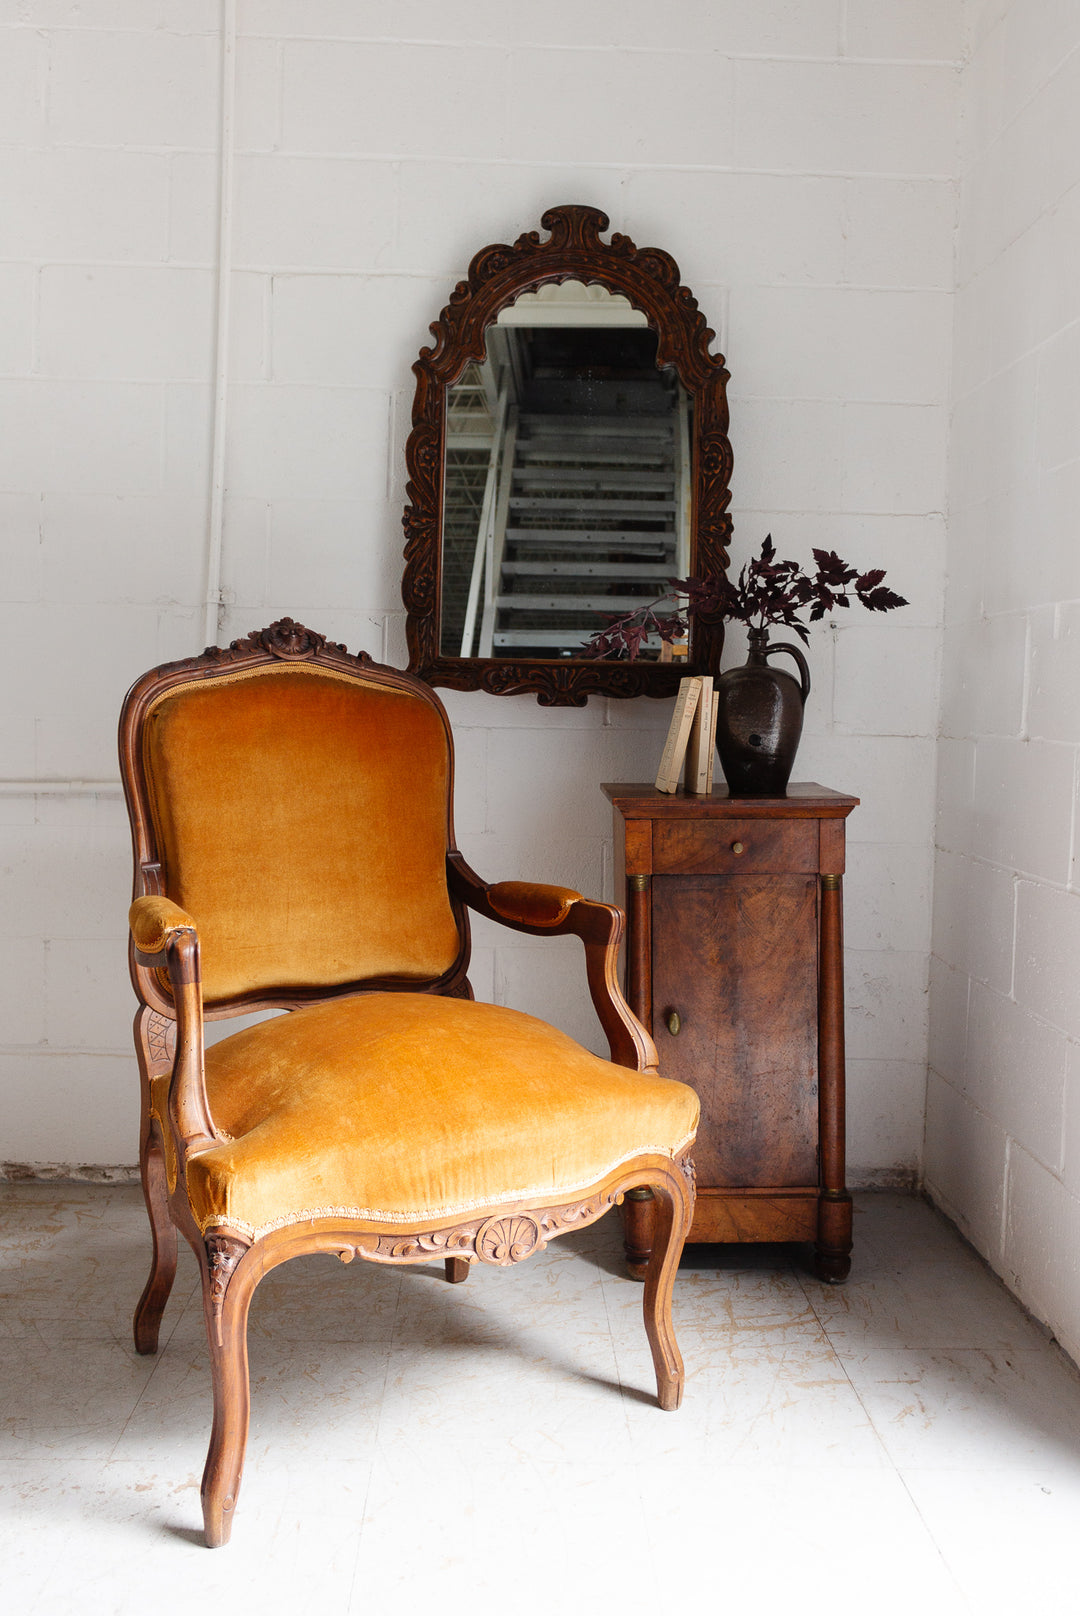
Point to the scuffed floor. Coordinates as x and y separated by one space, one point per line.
910 1442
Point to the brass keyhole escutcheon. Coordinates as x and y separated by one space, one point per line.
673 1023
738 847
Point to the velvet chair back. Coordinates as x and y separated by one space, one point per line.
303 816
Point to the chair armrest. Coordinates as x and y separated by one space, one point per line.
548 911
151 920
525 903
164 937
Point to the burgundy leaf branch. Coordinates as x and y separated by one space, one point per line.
767 593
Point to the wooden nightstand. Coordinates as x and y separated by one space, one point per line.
735 964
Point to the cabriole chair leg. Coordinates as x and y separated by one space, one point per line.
151 1304
669 1231
226 1299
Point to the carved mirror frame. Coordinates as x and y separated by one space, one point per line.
498 276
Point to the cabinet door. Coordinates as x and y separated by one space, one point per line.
735 957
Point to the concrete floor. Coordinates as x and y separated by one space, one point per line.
910 1441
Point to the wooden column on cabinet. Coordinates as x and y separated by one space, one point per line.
735 964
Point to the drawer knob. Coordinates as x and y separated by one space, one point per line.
673 1023
738 847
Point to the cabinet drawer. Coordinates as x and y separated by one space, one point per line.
727 847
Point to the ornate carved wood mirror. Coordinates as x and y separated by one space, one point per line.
568 455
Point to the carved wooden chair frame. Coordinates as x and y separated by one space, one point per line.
169 1040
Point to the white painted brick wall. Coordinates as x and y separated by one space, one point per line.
1001 1129
797 160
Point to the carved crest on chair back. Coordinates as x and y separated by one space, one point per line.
286 639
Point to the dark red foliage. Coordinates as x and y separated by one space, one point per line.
767 593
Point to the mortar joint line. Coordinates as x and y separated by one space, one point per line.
214 610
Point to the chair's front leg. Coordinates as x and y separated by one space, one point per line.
226 1299
673 1195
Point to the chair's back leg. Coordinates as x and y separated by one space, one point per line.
151 1304
226 1299
457 1270
674 1206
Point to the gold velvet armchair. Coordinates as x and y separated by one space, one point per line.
294 849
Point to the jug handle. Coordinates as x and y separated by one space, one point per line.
804 671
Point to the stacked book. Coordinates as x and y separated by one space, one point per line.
691 738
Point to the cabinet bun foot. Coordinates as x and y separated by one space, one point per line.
831 1266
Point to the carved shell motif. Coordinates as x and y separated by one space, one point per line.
507 1240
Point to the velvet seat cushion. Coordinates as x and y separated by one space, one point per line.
404 1106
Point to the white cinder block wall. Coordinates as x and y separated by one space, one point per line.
797 160
1003 1116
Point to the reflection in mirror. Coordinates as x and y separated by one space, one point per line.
567 491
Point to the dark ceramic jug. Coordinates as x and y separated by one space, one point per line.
759 720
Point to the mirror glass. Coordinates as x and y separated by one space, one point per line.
567 484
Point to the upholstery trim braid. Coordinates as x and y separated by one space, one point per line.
534 1195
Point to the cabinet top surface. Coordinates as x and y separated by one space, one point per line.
805 800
